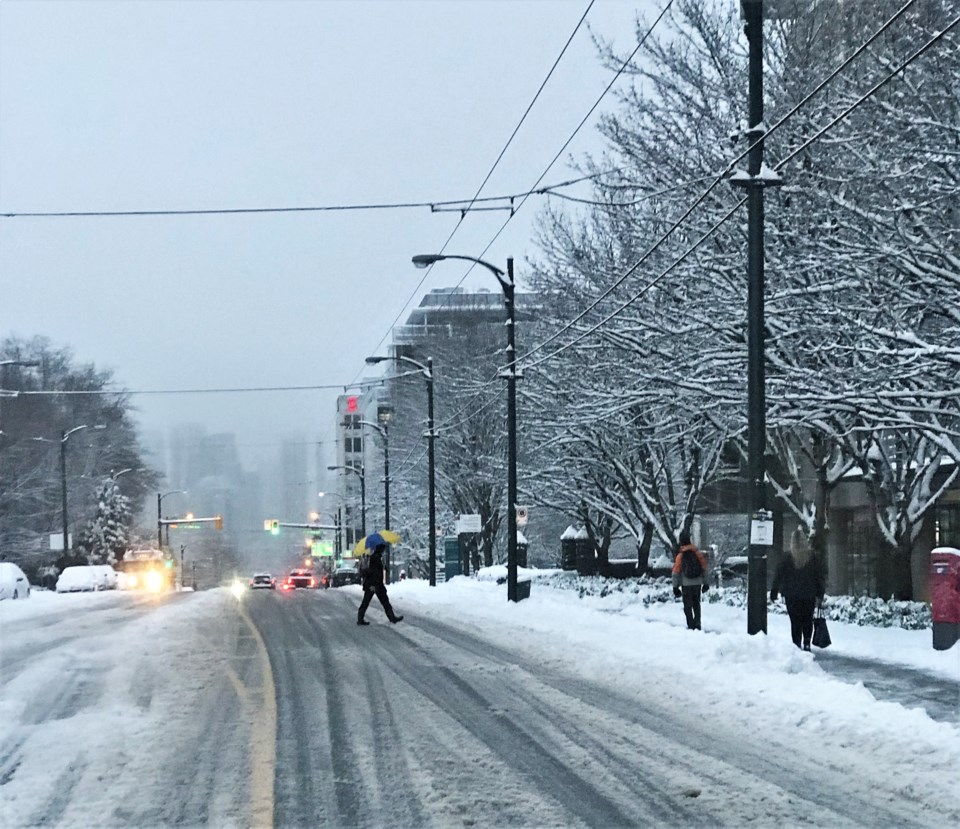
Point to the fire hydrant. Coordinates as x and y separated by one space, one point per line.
945 596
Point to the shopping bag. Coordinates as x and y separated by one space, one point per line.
821 636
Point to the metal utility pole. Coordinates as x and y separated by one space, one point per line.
755 181
506 281
431 474
63 489
382 429
338 541
160 497
508 301
64 437
363 493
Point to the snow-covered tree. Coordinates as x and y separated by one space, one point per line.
645 292
30 474
105 538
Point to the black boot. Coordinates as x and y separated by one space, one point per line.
396 619
362 622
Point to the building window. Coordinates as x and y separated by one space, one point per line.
353 445
948 525
858 551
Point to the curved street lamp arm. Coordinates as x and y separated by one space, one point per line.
423 260
348 468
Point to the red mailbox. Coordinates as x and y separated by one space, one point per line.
945 595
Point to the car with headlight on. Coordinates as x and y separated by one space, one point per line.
299 579
263 581
148 570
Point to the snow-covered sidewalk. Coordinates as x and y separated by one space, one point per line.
764 680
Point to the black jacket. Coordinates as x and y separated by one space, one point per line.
373 577
798 582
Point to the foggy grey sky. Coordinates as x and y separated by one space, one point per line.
197 105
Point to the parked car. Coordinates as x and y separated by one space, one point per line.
79 579
106 576
347 572
13 583
299 579
263 580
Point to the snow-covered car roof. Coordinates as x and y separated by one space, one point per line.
78 575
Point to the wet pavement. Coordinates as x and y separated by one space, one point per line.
910 687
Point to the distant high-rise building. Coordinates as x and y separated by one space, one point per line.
184 464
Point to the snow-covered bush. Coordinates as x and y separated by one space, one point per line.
872 612
858 610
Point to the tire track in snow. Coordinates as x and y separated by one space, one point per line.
801 783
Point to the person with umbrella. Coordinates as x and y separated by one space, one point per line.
372 578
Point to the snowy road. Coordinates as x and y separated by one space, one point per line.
278 710
425 723
122 709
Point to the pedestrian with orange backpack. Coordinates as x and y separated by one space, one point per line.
690 579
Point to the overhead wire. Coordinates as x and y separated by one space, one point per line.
546 170
572 135
463 214
449 238
720 177
330 208
779 165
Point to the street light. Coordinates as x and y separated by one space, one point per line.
159 517
64 437
507 284
363 494
427 371
382 429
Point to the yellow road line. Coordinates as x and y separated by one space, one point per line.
263 739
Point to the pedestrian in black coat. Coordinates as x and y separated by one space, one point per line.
800 579
374 585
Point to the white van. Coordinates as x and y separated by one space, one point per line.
13 583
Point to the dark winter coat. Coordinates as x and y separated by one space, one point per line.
803 583
373 576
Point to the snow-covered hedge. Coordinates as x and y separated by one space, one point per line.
859 610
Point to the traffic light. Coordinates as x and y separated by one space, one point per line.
219 522
275 527
168 563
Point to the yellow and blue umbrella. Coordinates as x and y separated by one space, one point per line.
375 540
